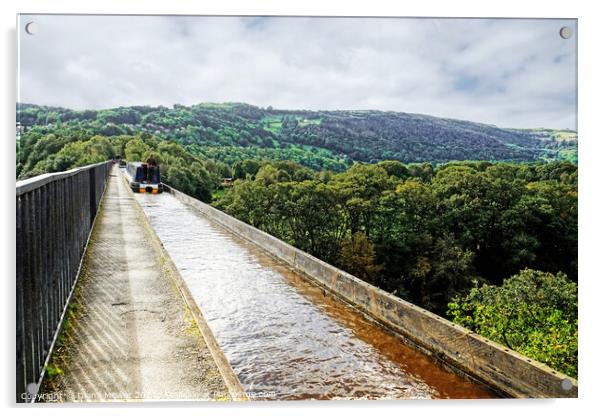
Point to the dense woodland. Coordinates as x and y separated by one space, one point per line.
491 244
330 140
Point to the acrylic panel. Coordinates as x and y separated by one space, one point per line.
293 208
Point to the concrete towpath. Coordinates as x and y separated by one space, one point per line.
129 334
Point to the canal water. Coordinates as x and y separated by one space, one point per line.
284 337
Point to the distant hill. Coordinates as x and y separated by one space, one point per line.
319 139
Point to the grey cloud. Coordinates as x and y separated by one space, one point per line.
517 73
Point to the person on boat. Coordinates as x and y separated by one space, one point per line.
151 161
151 167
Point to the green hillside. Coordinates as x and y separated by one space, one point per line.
317 139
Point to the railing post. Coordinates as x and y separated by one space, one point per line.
28 289
92 188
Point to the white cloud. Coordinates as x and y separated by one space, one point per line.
517 73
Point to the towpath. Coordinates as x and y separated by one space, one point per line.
130 335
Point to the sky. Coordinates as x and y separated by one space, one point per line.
507 72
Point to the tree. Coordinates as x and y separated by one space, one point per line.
309 213
357 257
268 174
135 149
471 204
249 201
395 168
245 167
358 190
403 229
533 312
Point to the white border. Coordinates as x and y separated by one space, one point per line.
590 152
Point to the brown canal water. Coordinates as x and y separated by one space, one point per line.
286 338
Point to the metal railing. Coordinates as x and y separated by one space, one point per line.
55 214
